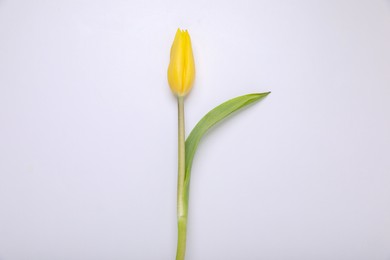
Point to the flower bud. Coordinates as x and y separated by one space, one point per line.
181 69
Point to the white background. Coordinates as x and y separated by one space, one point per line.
88 130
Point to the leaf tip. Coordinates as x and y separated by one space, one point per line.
262 95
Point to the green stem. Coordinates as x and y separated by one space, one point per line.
181 190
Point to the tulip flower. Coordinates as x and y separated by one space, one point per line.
181 75
181 70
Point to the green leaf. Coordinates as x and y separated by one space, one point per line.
209 120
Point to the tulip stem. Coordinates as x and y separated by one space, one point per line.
181 189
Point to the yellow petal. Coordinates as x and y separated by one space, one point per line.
189 74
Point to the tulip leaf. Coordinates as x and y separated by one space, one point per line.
208 121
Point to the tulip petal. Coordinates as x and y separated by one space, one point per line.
189 77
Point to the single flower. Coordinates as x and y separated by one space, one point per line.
181 75
181 69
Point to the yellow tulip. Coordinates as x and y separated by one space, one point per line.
181 69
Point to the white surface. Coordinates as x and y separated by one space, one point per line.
88 130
